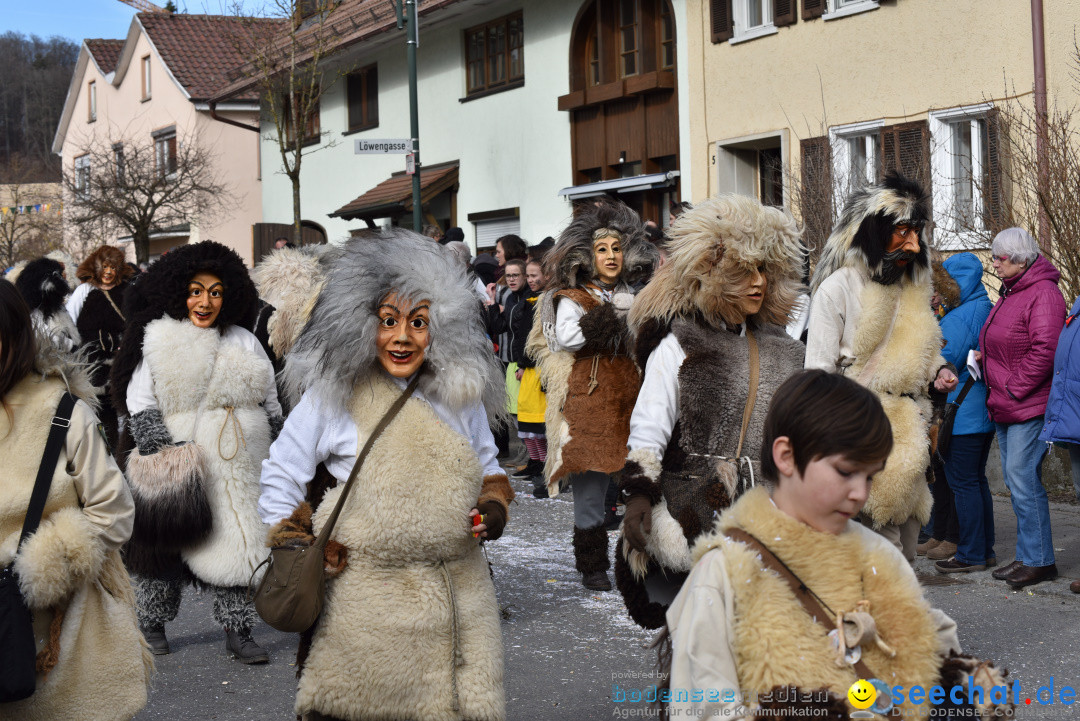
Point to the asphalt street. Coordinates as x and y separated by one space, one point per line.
565 646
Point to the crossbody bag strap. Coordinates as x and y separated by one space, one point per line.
800 589
964 391
751 396
324 535
57 434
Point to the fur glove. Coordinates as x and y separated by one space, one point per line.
640 475
296 531
149 432
604 329
63 554
276 424
637 521
494 518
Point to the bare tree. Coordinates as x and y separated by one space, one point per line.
29 213
287 62
143 188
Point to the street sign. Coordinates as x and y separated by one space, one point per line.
392 146
410 164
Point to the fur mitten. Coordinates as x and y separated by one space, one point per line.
494 518
148 430
962 669
276 424
294 530
604 329
63 554
496 487
820 704
637 522
641 475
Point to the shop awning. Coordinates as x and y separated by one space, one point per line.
621 185
393 196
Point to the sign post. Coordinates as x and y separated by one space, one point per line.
406 18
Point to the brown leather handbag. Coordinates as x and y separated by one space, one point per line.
290 594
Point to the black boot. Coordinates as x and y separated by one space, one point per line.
243 647
591 557
155 638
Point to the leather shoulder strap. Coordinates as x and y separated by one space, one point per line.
391 413
800 589
57 434
751 396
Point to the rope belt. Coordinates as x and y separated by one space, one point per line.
456 658
593 383
238 434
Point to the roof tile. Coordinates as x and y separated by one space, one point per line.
105 52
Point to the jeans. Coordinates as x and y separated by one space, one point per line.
1074 460
1022 454
965 471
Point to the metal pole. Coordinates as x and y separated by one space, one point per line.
1038 44
412 41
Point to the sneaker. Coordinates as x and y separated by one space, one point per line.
923 548
945 549
596 581
155 638
952 565
243 647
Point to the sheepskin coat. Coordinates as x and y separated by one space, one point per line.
70 571
410 629
737 624
214 393
887 338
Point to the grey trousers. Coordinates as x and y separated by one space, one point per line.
590 489
157 601
904 536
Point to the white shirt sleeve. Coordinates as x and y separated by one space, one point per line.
567 328
76 300
293 458
825 325
657 407
140 390
483 442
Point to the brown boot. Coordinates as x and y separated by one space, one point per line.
923 548
941 552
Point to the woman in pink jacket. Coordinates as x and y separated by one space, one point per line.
1018 342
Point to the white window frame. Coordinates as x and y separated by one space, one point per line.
839 138
146 77
843 8
82 176
740 12
946 233
92 101
161 148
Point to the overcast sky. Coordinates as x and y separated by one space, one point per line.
80 19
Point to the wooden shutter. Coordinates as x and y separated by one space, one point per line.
993 191
722 22
905 148
784 12
815 192
812 9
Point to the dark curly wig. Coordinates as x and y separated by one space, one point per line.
89 271
162 290
570 262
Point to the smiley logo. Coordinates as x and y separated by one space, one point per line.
862 694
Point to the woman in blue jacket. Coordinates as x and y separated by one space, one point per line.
973 432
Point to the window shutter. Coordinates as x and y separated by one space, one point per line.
905 148
373 96
992 182
815 192
784 12
722 25
812 9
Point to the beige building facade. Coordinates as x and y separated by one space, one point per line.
792 94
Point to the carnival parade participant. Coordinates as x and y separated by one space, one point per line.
581 347
710 336
42 285
96 307
532 401
410 625
870 319
791 602
199 423
90 660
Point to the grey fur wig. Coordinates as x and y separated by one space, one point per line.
336 349
570 263
866 224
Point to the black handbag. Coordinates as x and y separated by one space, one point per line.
19 654
945 434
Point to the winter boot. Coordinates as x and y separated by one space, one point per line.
591 557
243 647
532 468
155 638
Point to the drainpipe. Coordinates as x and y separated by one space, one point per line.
1038 43
215 116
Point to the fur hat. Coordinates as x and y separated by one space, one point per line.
89 271
866 225
162 290
710 248
336 349
41 284
570 263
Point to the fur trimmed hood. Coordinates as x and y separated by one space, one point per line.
710 248
336 348
570 263
162 291
866 224
89 271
